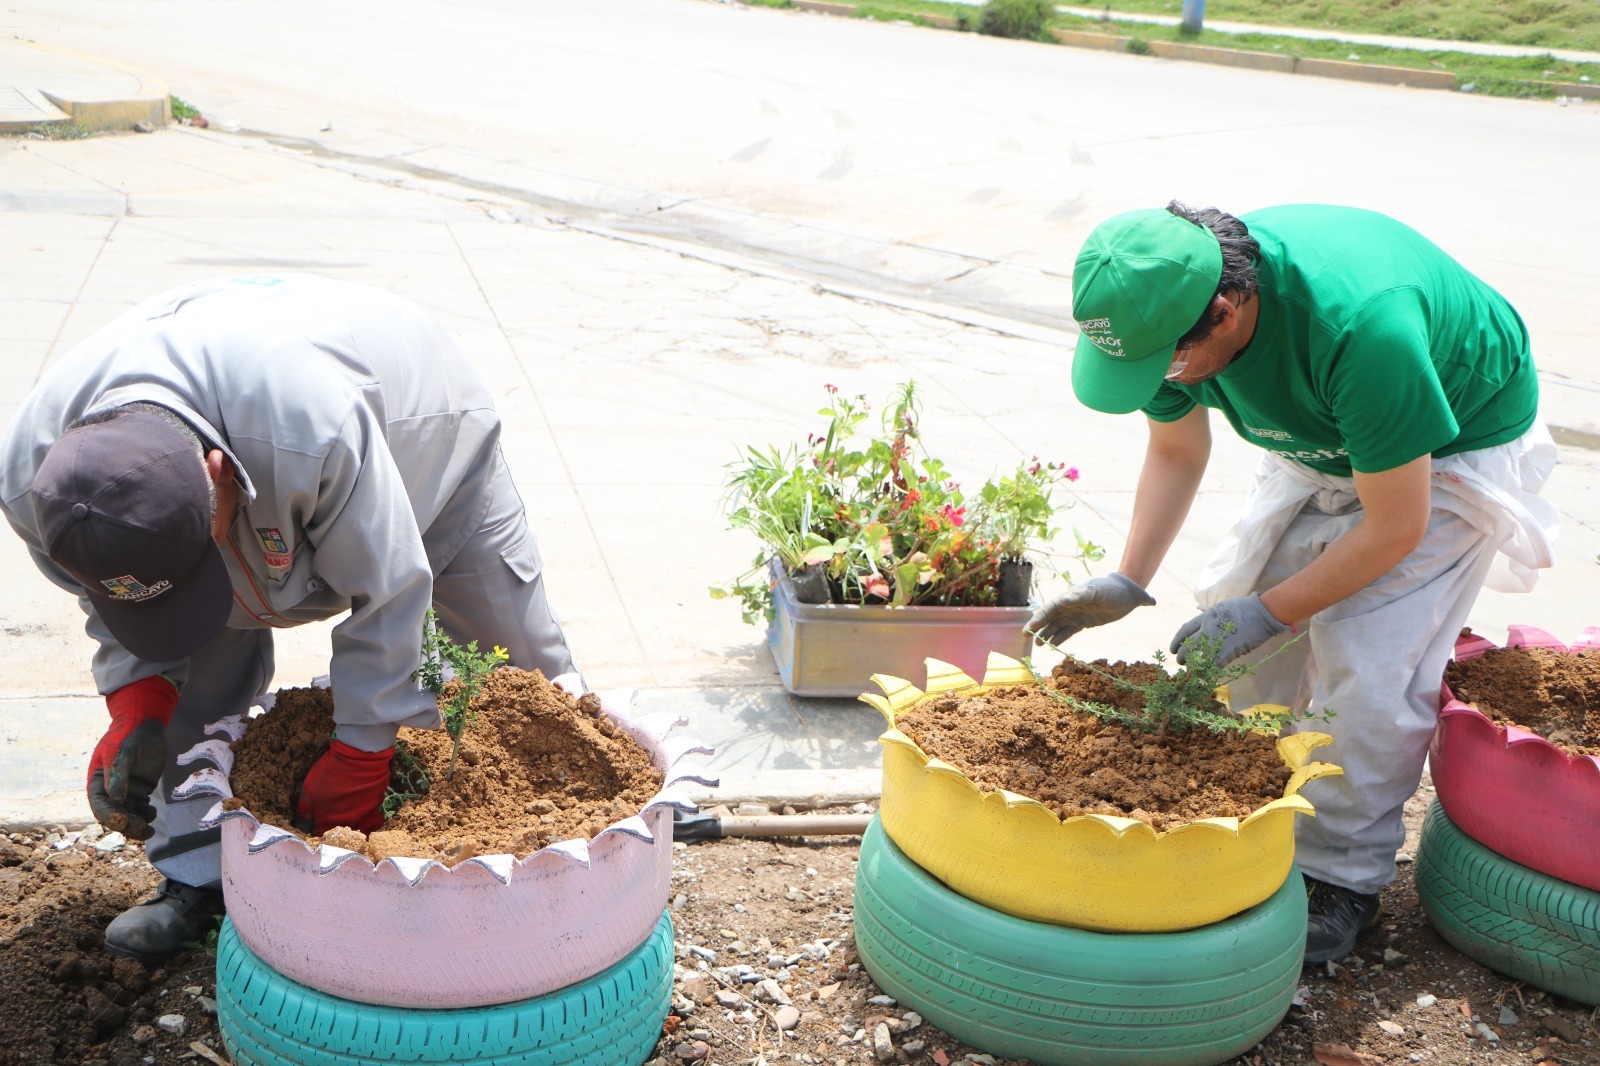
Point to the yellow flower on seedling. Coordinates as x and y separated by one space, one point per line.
501 654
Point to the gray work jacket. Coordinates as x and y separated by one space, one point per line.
363 443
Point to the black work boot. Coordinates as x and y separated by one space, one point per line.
1334 917
161 926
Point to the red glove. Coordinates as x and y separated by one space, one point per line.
345 787
127 763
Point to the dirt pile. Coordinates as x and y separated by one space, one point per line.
1551 693
537 765
1022 739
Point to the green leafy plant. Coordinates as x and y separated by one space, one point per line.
1178 702
1016 18
182 109
206 944
467 666
408 781
1138 46
883 521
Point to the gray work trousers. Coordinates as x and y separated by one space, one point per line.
491 591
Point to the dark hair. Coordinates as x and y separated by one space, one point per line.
1240 251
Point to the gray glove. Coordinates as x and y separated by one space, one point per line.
1253 625
1093 603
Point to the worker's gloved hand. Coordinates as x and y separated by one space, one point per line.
127 763
1252 626
344 787
1093 603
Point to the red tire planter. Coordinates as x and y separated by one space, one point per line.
1513 791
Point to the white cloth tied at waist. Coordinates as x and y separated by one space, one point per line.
1495 490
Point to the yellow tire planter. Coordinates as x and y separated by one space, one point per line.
1014 855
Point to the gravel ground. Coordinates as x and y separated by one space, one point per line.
768 974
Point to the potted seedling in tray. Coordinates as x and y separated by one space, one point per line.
872 556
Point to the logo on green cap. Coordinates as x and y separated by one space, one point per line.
1098 330
1152 274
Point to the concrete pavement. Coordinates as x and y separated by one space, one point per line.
647 291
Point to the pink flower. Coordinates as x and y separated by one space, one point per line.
1072 473
955 515
833 389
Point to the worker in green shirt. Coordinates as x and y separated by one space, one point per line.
1395 398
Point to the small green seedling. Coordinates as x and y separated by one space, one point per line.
1179 702
468 664
408 781
207 943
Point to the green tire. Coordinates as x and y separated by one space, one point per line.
612 1019
1526 924
1072 997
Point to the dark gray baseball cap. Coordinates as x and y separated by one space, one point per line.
124 507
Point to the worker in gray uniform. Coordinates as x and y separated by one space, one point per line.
249 454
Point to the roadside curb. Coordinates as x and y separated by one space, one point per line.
147 106
1412 77
1282 64
1375 74
28 109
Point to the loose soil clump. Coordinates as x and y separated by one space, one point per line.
1026 739
537 765
1551 693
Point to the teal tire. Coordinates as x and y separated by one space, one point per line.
1511 918
612 1019
1071 997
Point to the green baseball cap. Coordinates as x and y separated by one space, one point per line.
1142 280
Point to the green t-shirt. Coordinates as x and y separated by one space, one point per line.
1373 348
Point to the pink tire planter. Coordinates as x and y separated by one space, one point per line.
1513 791
415 933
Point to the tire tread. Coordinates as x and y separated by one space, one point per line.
1071 997
610 1019
1526 924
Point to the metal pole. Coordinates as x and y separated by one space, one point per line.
1193 12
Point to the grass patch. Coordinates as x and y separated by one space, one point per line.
769 3
60 131
1496 75
1025 19
1518 76
964 16
1571 24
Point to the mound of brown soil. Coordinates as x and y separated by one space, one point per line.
537 765
1551 693
1026 740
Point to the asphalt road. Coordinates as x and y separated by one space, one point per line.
920 164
